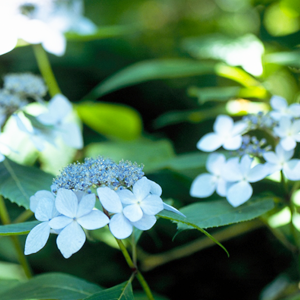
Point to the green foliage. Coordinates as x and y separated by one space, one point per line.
51 286
119 292
17 229
220 212
116 121
19 183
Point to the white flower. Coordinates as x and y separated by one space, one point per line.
241 174
77 211
140 201
41 21
53 124
205 184
281 108
43 205
281 160
288 131
227 134
119 225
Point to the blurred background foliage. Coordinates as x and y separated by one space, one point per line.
146 91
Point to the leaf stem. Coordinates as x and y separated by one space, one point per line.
21 257
135 270
46 70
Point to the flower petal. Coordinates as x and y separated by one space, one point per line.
66 203
231 171
110 200
71 135
44 209
155 188
257 173
133 212
215 162
271 157
152 205
233 143
54 42
210 142
145 223
34 200
239 193
141 189
70 239
288 143
120 227
37 238
278 103
291 170
203 186
95 219
126 196
223 124
86 205
60 222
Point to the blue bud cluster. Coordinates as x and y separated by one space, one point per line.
9 103
25 85
252 146
93 173
259 121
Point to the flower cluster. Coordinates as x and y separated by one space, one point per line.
128 199
41 21
231 177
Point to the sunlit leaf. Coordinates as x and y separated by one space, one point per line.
151 70
51 286
18 183
113 120
119 292
17 229
220 212
284 58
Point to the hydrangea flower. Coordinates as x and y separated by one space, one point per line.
281 108
41 21
240 174
205 184
289 132
77 212
43 205
226 134
281 160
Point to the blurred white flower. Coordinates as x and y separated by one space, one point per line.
241 173
205 184
281 108
41 21
227 134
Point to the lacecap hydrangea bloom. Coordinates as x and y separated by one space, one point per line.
231 178
128 198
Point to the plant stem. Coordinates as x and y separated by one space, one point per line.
46 70
134 268
21 257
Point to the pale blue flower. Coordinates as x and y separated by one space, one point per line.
78 212
43 205
281 108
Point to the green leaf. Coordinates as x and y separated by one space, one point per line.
284 58
18 183
18 229
187 222
220 212
151 70
6 284
119 292
143 151
113 120
51 286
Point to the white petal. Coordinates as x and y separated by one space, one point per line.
110 200
257 173
223 124
141 188
60 106
215 162
32 31
239 193
272 168
278 103
291 170
233 143
133 212
95 219
71 135
127 197
222 187
34 200
70 239
37 238
245 164
295 110
44 209
271 157
145 223
172 209
238 128
288 143
60 222
152 205
210 142
120 227
8 40
86 205
66 203
203 186
54 42
155 188
231 171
